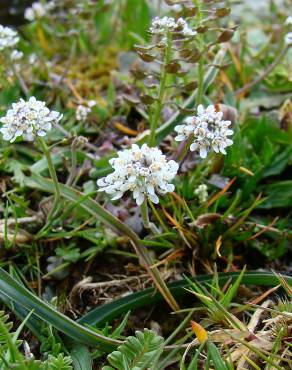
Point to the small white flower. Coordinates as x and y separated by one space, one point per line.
288 39
8 37
144 171
202 193
288 21
208 130
160 26
16 55
82 112
32 58
38 10
28 119
91 103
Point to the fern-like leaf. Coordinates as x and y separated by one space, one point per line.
137 353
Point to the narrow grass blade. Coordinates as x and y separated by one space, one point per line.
17 293
108 312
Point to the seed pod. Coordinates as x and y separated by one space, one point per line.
190 86
185 53
226 36
190 12
202 29
131 99
222 12
194 57
172 67
143 49
146 57
147 99
138 74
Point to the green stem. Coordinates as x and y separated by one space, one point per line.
73 164
200 81
144 214
159 104
145 218
201 60
53 174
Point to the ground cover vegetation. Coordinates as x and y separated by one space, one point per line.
145 191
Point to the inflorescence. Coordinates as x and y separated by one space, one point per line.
8 37
28 119
160 26
83 110
208 130
37 10
144 171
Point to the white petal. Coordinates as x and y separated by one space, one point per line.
140 199
203 152
154 198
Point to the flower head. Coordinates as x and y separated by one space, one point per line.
144 171
160 26
82 111
202 193
208 130
37 10
28 119
8 37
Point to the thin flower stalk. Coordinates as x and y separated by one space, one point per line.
57 195
145 218
156 116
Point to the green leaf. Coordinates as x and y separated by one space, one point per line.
15 292
81 358
279 163
232 290
215 356
137 353
279 195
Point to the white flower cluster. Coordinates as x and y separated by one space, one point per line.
208 130
82 111
288 39
202 193
28 119
160 26
144 171
37 10
8 37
